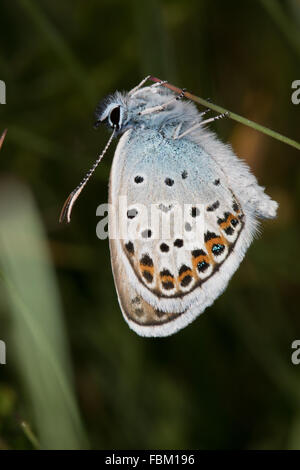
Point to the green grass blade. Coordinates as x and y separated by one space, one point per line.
38 340
288 29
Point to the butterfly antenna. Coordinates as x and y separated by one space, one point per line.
69 203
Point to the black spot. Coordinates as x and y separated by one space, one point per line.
235 207
165 272
129 247
234 222
136 300
146 261
146 233
178 242
218 249
168 285
196 253
226 215
202 266
213 207
169 182
164 248
217 182
138 179
186 281
209 236
184 175
148 276
183 269
188 227
195 212
132 213
229 230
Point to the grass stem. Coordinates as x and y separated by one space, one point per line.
231 115
30 436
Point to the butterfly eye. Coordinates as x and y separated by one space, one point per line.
115 117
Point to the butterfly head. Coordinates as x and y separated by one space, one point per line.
112 111
121 111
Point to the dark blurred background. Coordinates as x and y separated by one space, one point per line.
76 376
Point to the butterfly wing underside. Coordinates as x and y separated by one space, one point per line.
164 283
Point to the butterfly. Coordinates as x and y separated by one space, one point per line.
168 163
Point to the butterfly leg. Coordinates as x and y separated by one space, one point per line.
200 124
216 118
206 111
156 109
136 88
177 130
